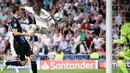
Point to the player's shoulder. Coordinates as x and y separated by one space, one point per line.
126 25
13 20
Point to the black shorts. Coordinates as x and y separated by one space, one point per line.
22 51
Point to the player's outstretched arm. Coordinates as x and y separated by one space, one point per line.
122 40
16 33
123 36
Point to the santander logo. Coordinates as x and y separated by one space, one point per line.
45 66
68 64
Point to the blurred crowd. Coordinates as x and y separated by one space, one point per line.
81 31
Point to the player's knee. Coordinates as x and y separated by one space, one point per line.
15 58
32 58
23 63
117 57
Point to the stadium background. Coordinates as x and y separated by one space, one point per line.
82 18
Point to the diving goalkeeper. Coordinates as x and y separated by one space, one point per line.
125 40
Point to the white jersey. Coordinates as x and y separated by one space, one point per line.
44 19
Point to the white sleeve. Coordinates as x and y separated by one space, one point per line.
7 37
11 39
13 53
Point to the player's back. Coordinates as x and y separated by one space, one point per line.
127 26
125 30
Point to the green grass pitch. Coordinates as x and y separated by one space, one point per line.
66 71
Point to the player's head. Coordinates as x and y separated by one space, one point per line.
94 50
16 9
127 17
37 9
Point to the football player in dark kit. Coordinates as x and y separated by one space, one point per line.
21 46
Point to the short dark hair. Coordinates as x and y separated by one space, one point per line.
94 50
127 16
15 8
37 9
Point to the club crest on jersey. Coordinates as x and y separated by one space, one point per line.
14 20
15 25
